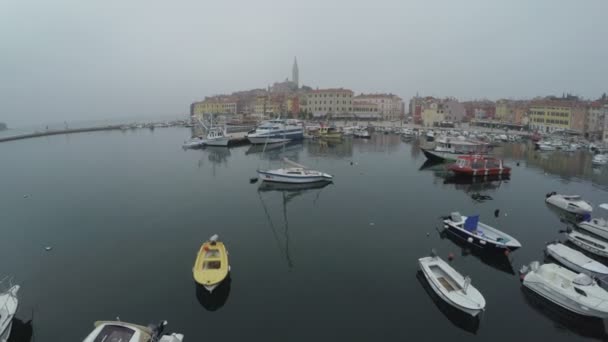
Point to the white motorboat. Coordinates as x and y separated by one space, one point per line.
451 286
578 293
127 332
576 260
589 243
216 137
571 203
194 143
479 234
597 226
296 174
599 159
8 306
362 133
430 136
449 149
275 131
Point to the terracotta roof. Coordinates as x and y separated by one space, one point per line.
331 90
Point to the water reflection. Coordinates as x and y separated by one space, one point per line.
458 318
277 151
565 319
330 148
288 193
495 260
567 165
212 301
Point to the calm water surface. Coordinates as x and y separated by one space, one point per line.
126 212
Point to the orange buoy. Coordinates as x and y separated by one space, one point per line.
206 248
450 256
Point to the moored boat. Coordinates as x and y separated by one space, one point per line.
479 234
451 286
329 132
362 133
479 165
211 266
576 260
296 174
275 131
110 331
570 203
449 149
597 226
589 243
578 293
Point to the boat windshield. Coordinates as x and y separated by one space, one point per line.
114 333
212 253
582 279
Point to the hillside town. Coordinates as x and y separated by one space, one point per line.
548 114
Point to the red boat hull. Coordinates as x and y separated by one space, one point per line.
467 171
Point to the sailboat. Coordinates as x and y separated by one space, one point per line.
296 174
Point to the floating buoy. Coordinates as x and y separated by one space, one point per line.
351 163
48 248
450 256
428 234
372 224
26 196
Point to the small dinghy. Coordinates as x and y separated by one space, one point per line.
451 286
575 292
194 143
597 226
128 332
362 133
479 165
589 243
481 235
576 260
296 174
211 266
571 203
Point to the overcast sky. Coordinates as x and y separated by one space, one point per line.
80 60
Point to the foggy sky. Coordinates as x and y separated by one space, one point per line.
79 60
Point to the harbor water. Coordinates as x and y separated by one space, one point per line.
124 213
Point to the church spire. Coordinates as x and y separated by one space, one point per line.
295 73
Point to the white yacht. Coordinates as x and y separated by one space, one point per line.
295 174
275 131
194 143
546 147
8 306
449 149
110 331
578 293
576 260
216 136
573 204
451 286
362 133
597 226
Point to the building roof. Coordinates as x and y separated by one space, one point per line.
331 90
377 96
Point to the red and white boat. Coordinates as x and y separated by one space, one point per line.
479 165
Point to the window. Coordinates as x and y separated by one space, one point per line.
579 291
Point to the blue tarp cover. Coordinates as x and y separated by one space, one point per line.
470 224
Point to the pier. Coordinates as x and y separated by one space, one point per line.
60 131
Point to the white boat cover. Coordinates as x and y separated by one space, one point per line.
583 280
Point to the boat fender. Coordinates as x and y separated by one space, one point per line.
450 256
470 240
483 242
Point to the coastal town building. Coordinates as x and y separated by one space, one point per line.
433 115
548 116
596 116
216 105
365 109
390 106
328 102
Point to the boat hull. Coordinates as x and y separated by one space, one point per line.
572 265
470 172
275 137
554 201
441 156
594 229
477 241
588 247
565 302
223 142
271 177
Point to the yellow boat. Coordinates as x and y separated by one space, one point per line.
329 133
211 266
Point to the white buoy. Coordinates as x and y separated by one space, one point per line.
48 248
